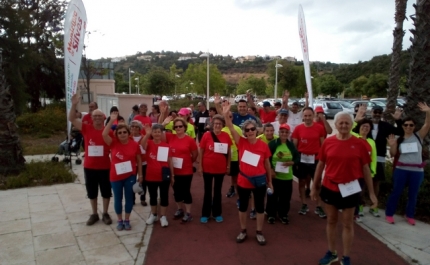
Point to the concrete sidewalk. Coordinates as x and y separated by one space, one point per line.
46 225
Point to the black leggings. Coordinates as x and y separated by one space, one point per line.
279 201
212 204
259 195
153 192
182 189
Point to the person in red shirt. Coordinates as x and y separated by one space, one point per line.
266 114
345 159
154 172
142 117
184 153
307 137
136 128
125 156
321 120
215 145
96 163
254 175
87 119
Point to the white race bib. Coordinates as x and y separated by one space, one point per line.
162 154
221 148
250 158
280 168
122 168
142 151
349 188
95 150
307 159
409 148
202 119
177 162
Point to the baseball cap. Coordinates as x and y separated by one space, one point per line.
319 109
284 126
266 104
137 188
278 103
283 111
376 107
184 111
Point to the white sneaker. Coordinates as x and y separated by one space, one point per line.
163 221
152 218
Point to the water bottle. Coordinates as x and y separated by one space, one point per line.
269 191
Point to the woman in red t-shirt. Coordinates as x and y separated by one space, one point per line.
214 146
125 156
159 161
254 175
345 159
184 153
136 128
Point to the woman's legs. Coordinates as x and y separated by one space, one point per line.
153 196
164 196
243 207
259 195
216 204
207 198
332 217
348 230
129 195
415 179
188 199
118 188
399 179
285 191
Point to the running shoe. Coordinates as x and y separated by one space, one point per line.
152 218
360 210
163 221
241 237
260 239
345 261
304 209
411 221
204 220
187 218
93 219
127 225
284 220
230 192
357 218
178 214
219 219
120 225
238 203
329 258
253 214
320 211
271 220
374 212
389 219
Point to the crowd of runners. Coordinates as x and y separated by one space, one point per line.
261 149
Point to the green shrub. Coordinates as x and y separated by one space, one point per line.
46 121
39 174
423 201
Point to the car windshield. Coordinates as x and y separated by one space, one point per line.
346 104
333 105
380 100
379 103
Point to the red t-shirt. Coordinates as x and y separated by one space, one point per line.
259 148
153 168
182 148
87 119
94 142
123 153
344 160
144 120
308 138
322 124
215 163
267 117
137 139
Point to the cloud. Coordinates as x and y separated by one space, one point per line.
363 26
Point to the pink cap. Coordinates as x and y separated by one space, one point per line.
184 111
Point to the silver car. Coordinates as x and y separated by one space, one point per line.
331 108
370 105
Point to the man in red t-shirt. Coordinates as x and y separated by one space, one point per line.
321 120
87 119
308 138
266 114
145 120
96 163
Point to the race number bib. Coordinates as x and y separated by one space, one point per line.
95 150
122 168
307 159
281 169
162 154
250 158
349 188
409 148
177 162
221 148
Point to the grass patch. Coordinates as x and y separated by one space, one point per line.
38 145
39 173
47 121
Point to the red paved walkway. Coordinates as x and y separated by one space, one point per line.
302 242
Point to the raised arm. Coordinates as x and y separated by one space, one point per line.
77 123
306 99
285 98
228 123
164 111
327 126
426 127
144 141
251 101
217 102
106 137
392 142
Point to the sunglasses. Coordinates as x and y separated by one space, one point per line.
178 126
377 112
408 124
121 132
250 129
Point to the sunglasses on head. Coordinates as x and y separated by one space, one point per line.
250 129
122 132
408 124
178 126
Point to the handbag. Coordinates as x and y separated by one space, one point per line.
257 181
165 173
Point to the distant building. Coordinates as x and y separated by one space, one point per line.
290 59
118 59
160 55
145 58
185 58
249 58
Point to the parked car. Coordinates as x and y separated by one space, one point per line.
167 98
243 96
272 101
370 105
400 102
348 107
212 99
331 108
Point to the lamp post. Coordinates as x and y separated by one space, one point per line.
176 76
138 88
129 80
207 88
276 79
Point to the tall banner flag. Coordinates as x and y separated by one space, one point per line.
305 51
75 24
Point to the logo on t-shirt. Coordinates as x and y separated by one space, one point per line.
118 155
152 156
211 147
353 147
91 142
173 150
305 141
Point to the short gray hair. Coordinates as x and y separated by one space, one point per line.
343 113
218 117
248 122
157 126
138 123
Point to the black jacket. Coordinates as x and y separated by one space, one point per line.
384 130
201 126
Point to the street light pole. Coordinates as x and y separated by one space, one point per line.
207 74
129 80
176 76
138 88
276 78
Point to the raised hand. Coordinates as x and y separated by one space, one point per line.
217 98
361 113
114 116
397 114
163 107
391 139
285 96
168 119
248 96
307 95
423 107
75 99
226 108
148 129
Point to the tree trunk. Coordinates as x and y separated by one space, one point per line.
419 67
396 57
11 156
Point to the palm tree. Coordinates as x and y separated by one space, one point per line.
11 157
394 78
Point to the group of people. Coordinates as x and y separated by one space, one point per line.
260 154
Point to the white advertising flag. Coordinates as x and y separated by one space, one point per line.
75 24
305 51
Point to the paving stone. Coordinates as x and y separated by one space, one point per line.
13 206
50 227
79 217
107 255
132 238
76 207
48 215
88 242
82 229
12 216
15 226
416 254
54 241
45 206
17 248
43 198
63 255
41 191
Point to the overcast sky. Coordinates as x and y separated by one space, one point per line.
341 31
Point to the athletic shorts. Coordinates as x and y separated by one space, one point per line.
335 198
380 171
303 170
95 178
234 168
